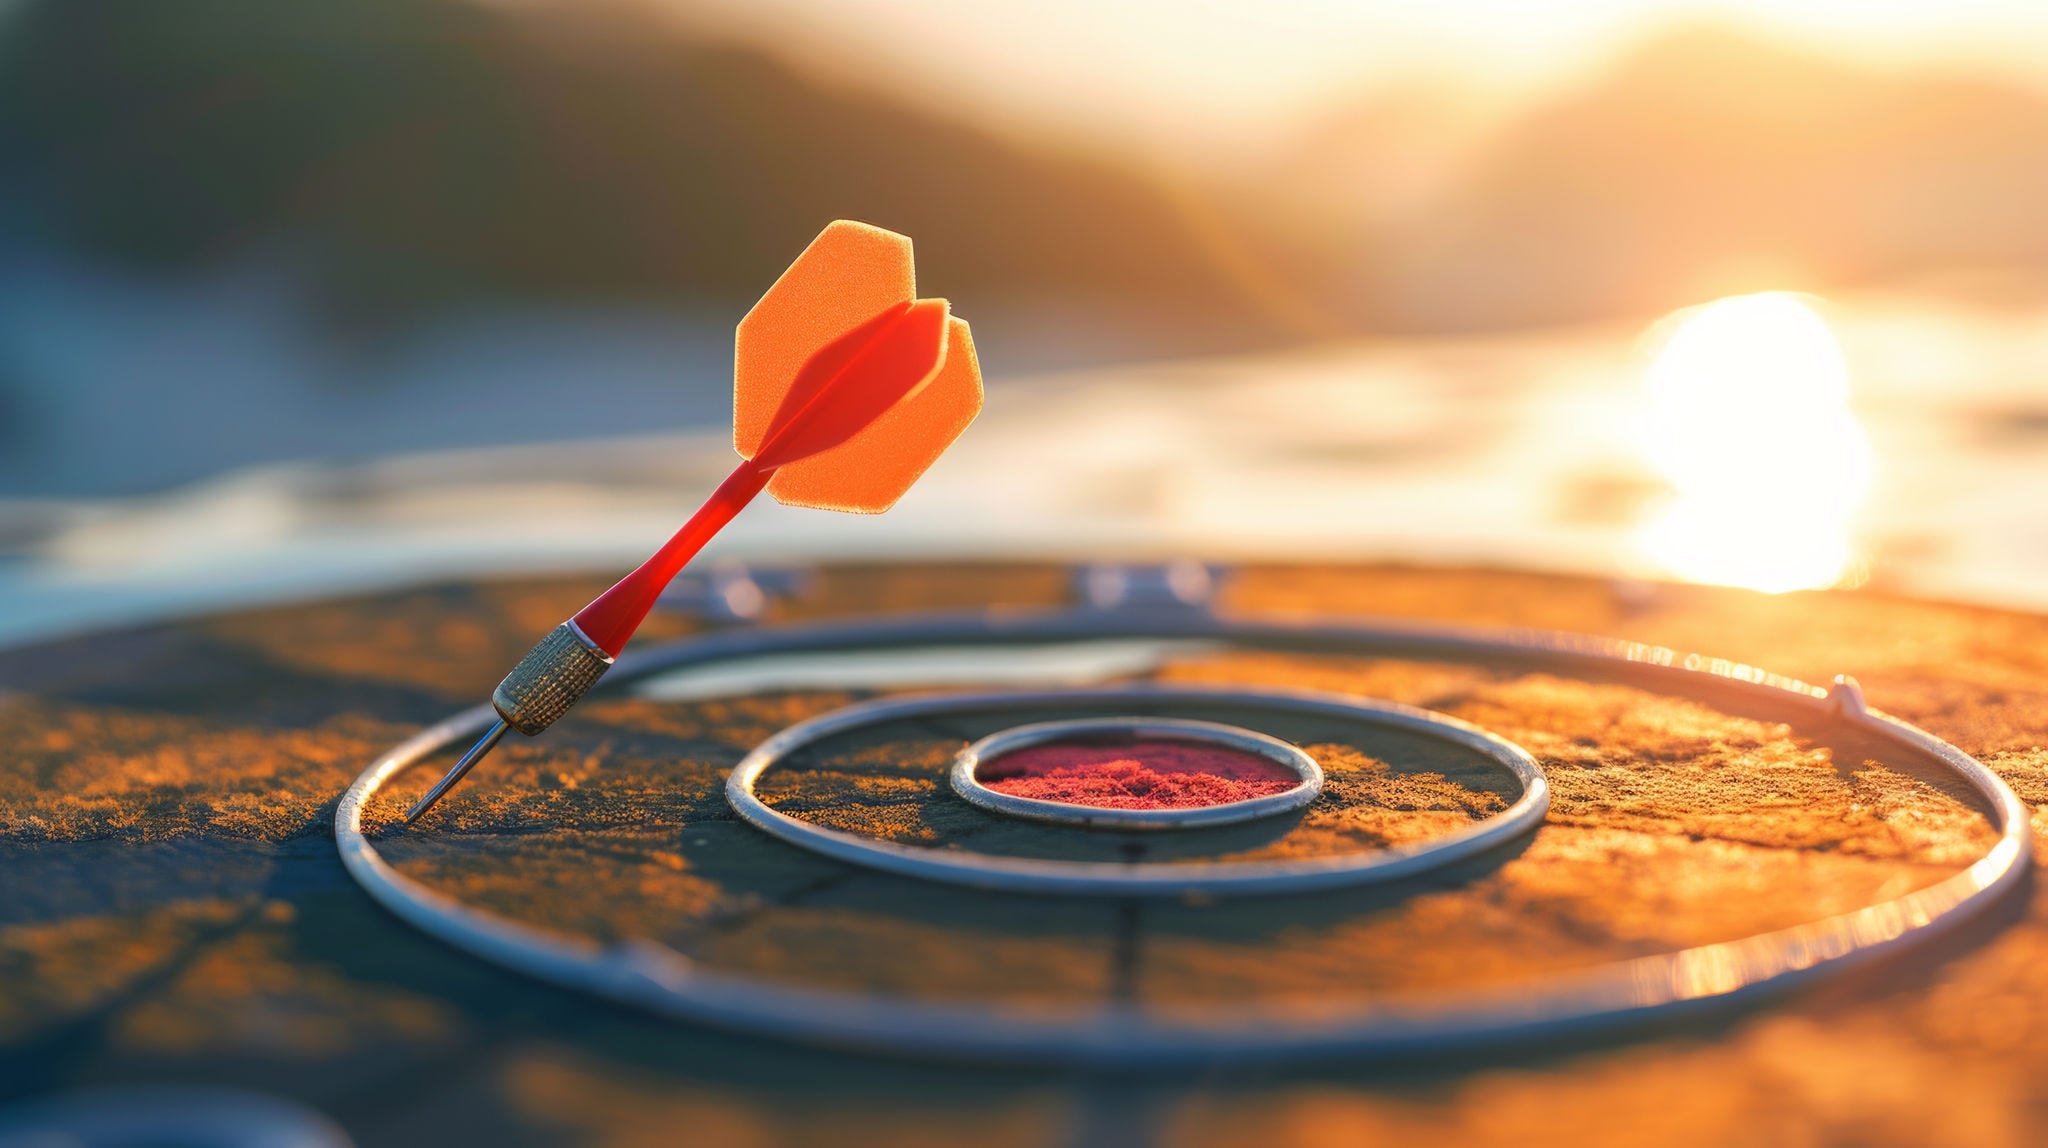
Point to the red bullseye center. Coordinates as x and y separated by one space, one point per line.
1136 774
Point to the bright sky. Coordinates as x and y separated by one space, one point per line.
1196 71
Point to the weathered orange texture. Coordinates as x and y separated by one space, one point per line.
824 324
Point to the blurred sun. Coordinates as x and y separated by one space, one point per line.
1748 419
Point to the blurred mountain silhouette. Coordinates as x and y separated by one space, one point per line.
419 151
1708 162
427 150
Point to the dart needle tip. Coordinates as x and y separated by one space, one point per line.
476 753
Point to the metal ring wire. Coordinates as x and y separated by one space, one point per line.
1647 989
1139 879
965 774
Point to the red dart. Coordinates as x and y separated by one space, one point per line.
846 388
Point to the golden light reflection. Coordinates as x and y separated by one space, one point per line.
1748 418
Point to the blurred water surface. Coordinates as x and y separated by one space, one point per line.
1523 449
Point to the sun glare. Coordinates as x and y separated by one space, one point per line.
1748 419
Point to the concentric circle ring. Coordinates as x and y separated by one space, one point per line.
1137 878
1645 990
965 776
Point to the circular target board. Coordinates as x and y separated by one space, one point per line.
764 829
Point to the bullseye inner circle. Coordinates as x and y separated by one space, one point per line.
1135 773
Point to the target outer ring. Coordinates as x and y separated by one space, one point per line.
1640 992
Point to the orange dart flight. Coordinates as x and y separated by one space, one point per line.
846 388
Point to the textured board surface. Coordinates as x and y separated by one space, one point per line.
173 910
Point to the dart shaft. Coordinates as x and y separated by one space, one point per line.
611 618
558 671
